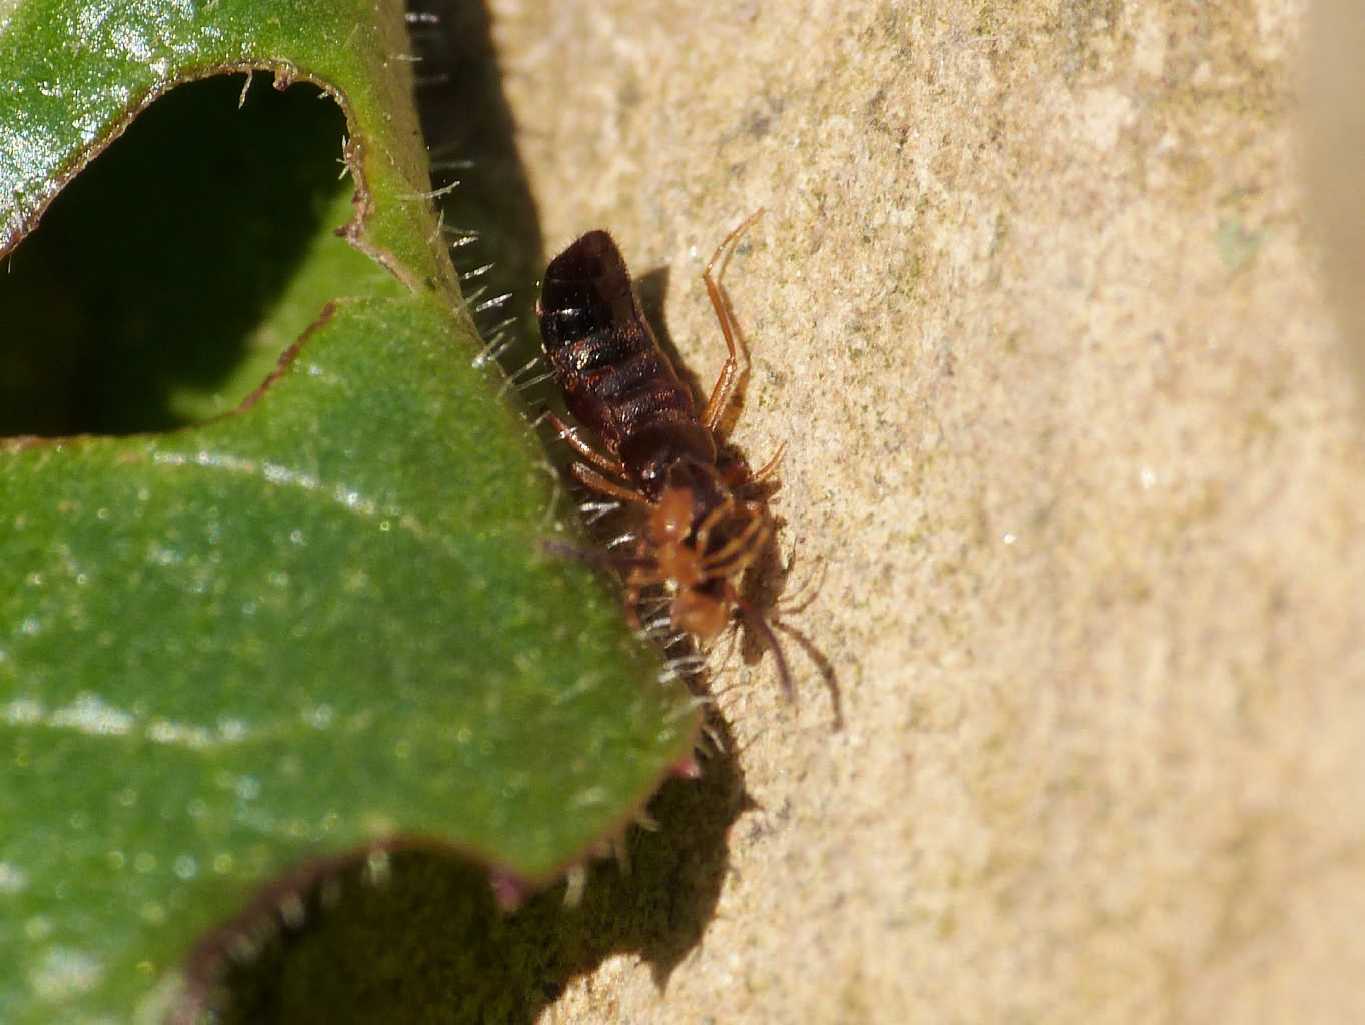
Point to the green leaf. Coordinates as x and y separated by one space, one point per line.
320 622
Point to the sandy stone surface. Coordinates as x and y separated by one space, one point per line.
1075 451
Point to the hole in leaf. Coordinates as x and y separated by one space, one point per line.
164 282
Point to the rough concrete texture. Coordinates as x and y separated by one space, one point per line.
1075 449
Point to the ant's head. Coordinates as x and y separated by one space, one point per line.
702 539
682 506
691 492
679 526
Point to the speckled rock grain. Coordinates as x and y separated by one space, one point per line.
1072 438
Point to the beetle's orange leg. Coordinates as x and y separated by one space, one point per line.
723 391
567 433
768 468
590 478
738 476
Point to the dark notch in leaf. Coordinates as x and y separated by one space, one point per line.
140 306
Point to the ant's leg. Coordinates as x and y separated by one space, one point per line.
636 581
632 608
799 600
590 478
724 389
570 434
756 621
633 589
741 551
715 516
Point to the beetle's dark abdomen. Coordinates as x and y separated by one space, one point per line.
614 378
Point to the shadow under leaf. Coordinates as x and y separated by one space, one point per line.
429 945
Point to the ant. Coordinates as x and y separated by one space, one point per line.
700 532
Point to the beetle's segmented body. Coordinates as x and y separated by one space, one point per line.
614 377
700 532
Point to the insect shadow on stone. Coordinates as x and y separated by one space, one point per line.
703 520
